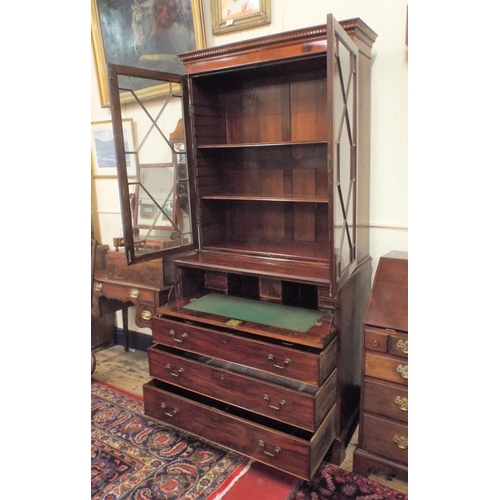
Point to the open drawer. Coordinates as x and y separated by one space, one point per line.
284 447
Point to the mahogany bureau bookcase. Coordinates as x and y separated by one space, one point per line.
264 209
383 429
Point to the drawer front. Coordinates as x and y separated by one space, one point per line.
386 368
302 409
124 292
376 340
144 313
299 455
386 400
385 438
274 359
398 345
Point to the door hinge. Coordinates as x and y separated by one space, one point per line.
190 110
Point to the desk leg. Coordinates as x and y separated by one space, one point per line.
125 326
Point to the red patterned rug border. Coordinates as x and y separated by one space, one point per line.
230 481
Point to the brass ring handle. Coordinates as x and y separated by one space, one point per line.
403 371
134 293
401 441
287 361
169 414
179 371
263 445
402 403
403 345
146 315
183 336
375 343
97 287
267 398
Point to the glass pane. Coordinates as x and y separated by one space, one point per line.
345 162
158 186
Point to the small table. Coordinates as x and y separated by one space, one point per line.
111 295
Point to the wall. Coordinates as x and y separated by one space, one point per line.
389 165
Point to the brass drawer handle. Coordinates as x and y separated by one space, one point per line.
263 445
179 371
183 336
287 361
375 343
401 441
172 413
146 315
97 286
267 398
403 371
402 403
403 345
134 293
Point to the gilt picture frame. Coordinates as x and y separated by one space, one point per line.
236 15
103 148
131 33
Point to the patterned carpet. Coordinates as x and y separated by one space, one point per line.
134 457
333 483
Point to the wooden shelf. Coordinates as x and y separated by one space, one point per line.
261 144
306 271
250 197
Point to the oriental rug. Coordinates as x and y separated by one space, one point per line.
332 483
135 457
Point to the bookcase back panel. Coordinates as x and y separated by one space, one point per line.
308 110
246 111
256 115
259 223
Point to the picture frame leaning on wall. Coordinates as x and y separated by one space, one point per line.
103 148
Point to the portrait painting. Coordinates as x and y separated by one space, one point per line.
144 34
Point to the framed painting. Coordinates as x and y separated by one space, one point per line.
103 148
235 15
144 34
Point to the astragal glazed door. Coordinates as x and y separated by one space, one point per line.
342 152
152 160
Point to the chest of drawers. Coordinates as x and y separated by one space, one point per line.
264 391
383 431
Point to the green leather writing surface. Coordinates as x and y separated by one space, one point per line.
265 313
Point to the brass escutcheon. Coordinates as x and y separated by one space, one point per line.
97 287
403 345
401 441
403 371
146 315
402 403
134 293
